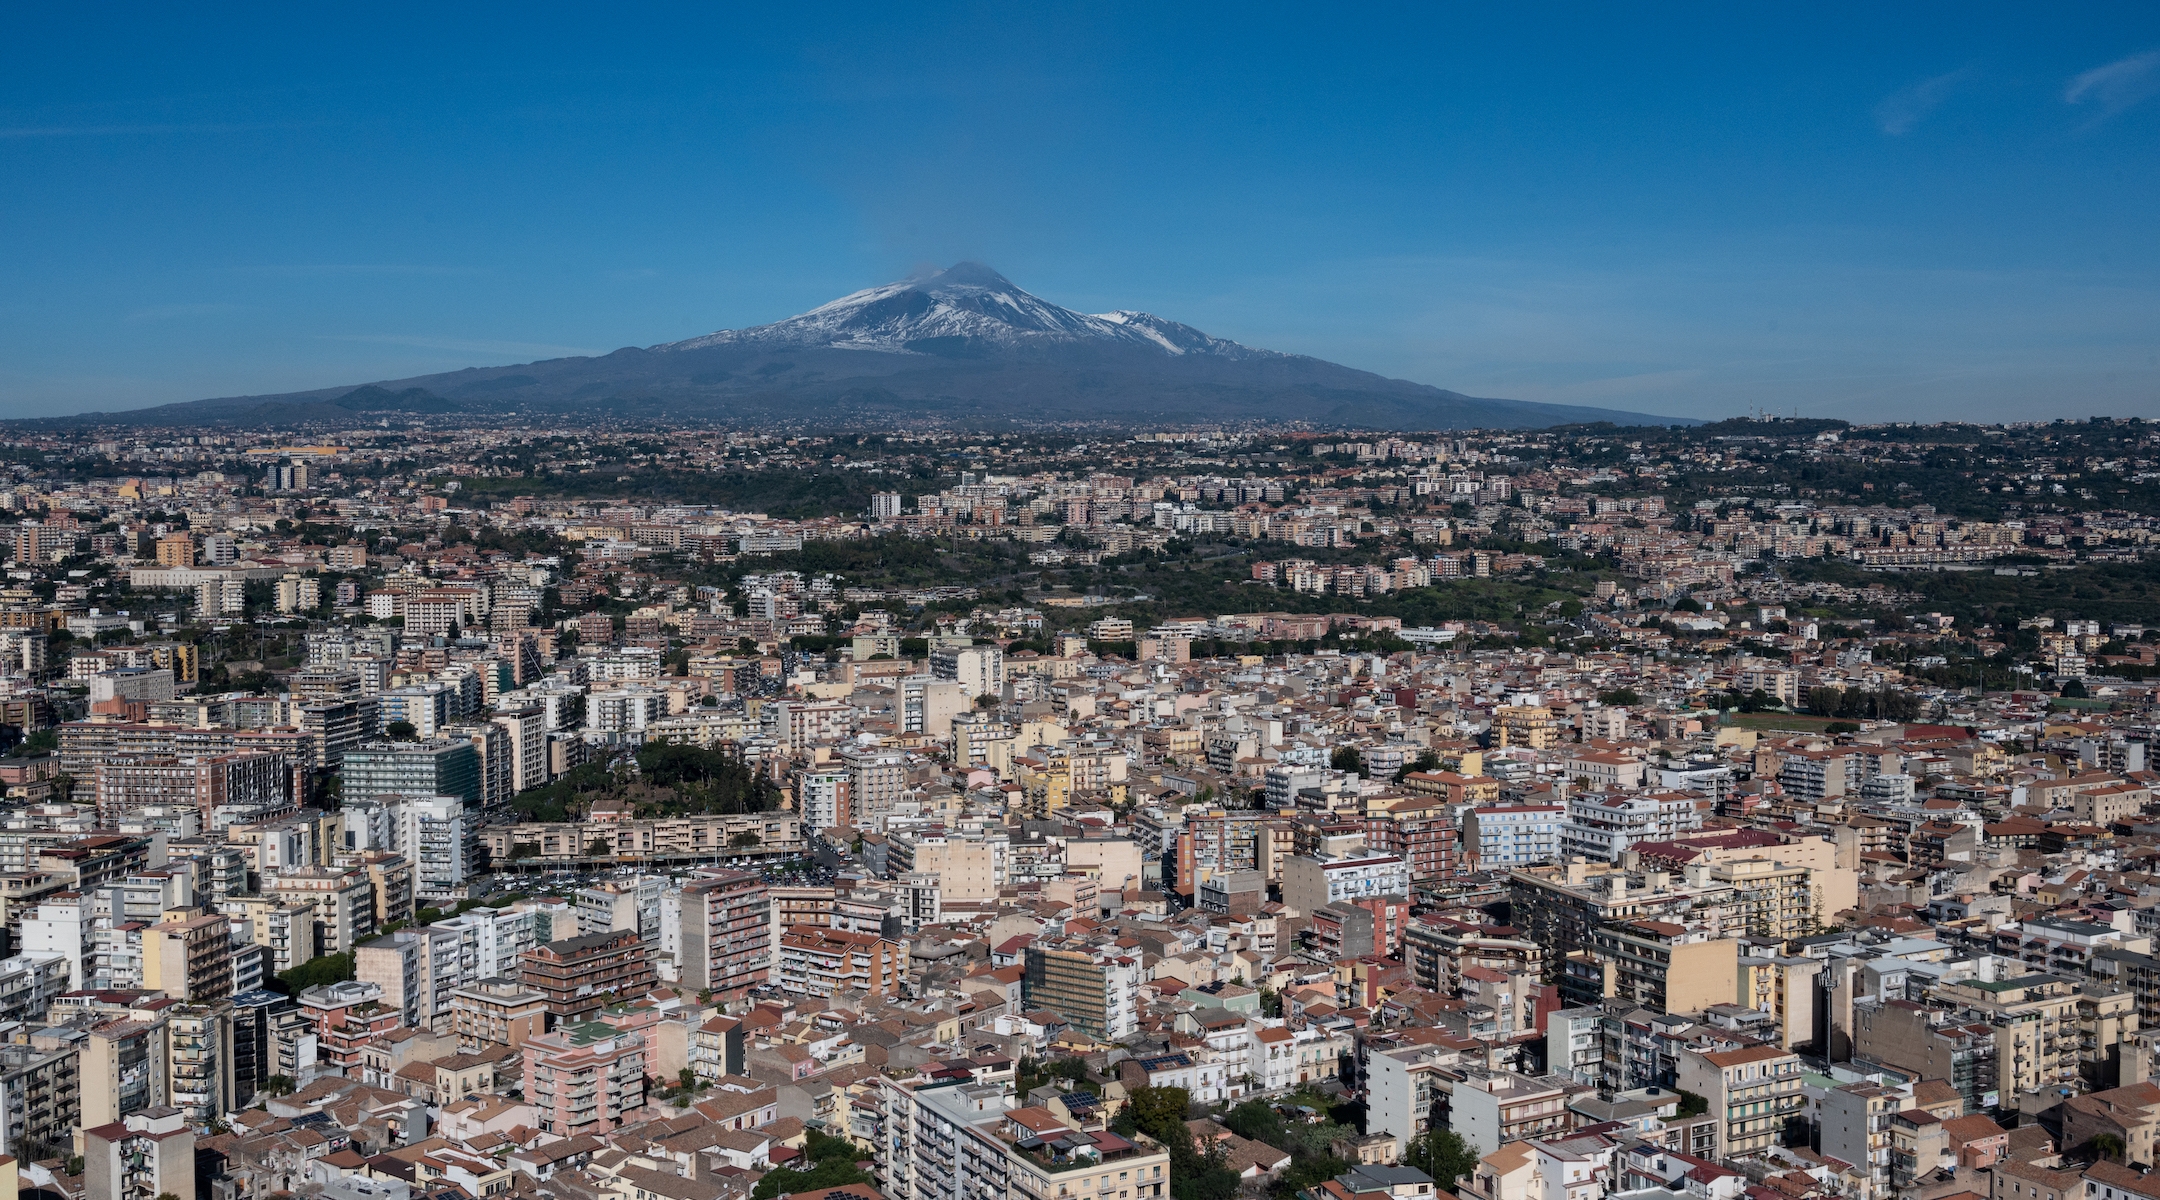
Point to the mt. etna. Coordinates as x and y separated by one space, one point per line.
963 347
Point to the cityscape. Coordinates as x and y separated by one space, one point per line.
700 812
1080 602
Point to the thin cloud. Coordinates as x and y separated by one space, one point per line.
467 347
2117 87
1902 109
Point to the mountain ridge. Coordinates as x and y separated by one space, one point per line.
963 346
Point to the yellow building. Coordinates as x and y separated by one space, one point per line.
1752 1091
1530 725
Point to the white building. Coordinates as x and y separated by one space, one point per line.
438 837
1309 883
979 670
1514 835
1600 825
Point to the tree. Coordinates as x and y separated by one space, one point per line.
401 731
1347 758
599 848
322 969
278 1085
1159 1112
1444 1155
1257 1121
743 840
2075 690
830 1164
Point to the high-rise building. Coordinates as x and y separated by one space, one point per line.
979 670
1094 985
189 957
123 1067
40 1099
198 1054
439 835
823 799
585 1079
441 767
727 934
342 898
578 974
254 1048
884 506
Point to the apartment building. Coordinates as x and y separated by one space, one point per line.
1401 1085
148 1154
1502 837
1532 726
1855 1122
1310 882
1425 833
123 1066
40 1099
1813 776
1754 1091
189 957
285 930
586 1079
1603 825
978 670
255 781
342 897
967 868
579 975
347 1016
727 934
497 1012
824 962
1491 1109
1091 984
443 766
707 838
962 1142
198 1052
1654 964
1564 904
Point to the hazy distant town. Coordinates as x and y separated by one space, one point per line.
1759 810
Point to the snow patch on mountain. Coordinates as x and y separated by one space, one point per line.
966 304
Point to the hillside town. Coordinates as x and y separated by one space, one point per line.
1756 811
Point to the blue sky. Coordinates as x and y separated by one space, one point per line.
1869 212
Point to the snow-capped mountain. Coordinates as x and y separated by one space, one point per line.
967 304
963 347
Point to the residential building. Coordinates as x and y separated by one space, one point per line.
148 1154
580 974
1092 985
824 962
727 934
1755 1091
585 1079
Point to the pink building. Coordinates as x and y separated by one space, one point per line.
587 1078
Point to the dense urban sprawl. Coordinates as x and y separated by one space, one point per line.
1758 810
